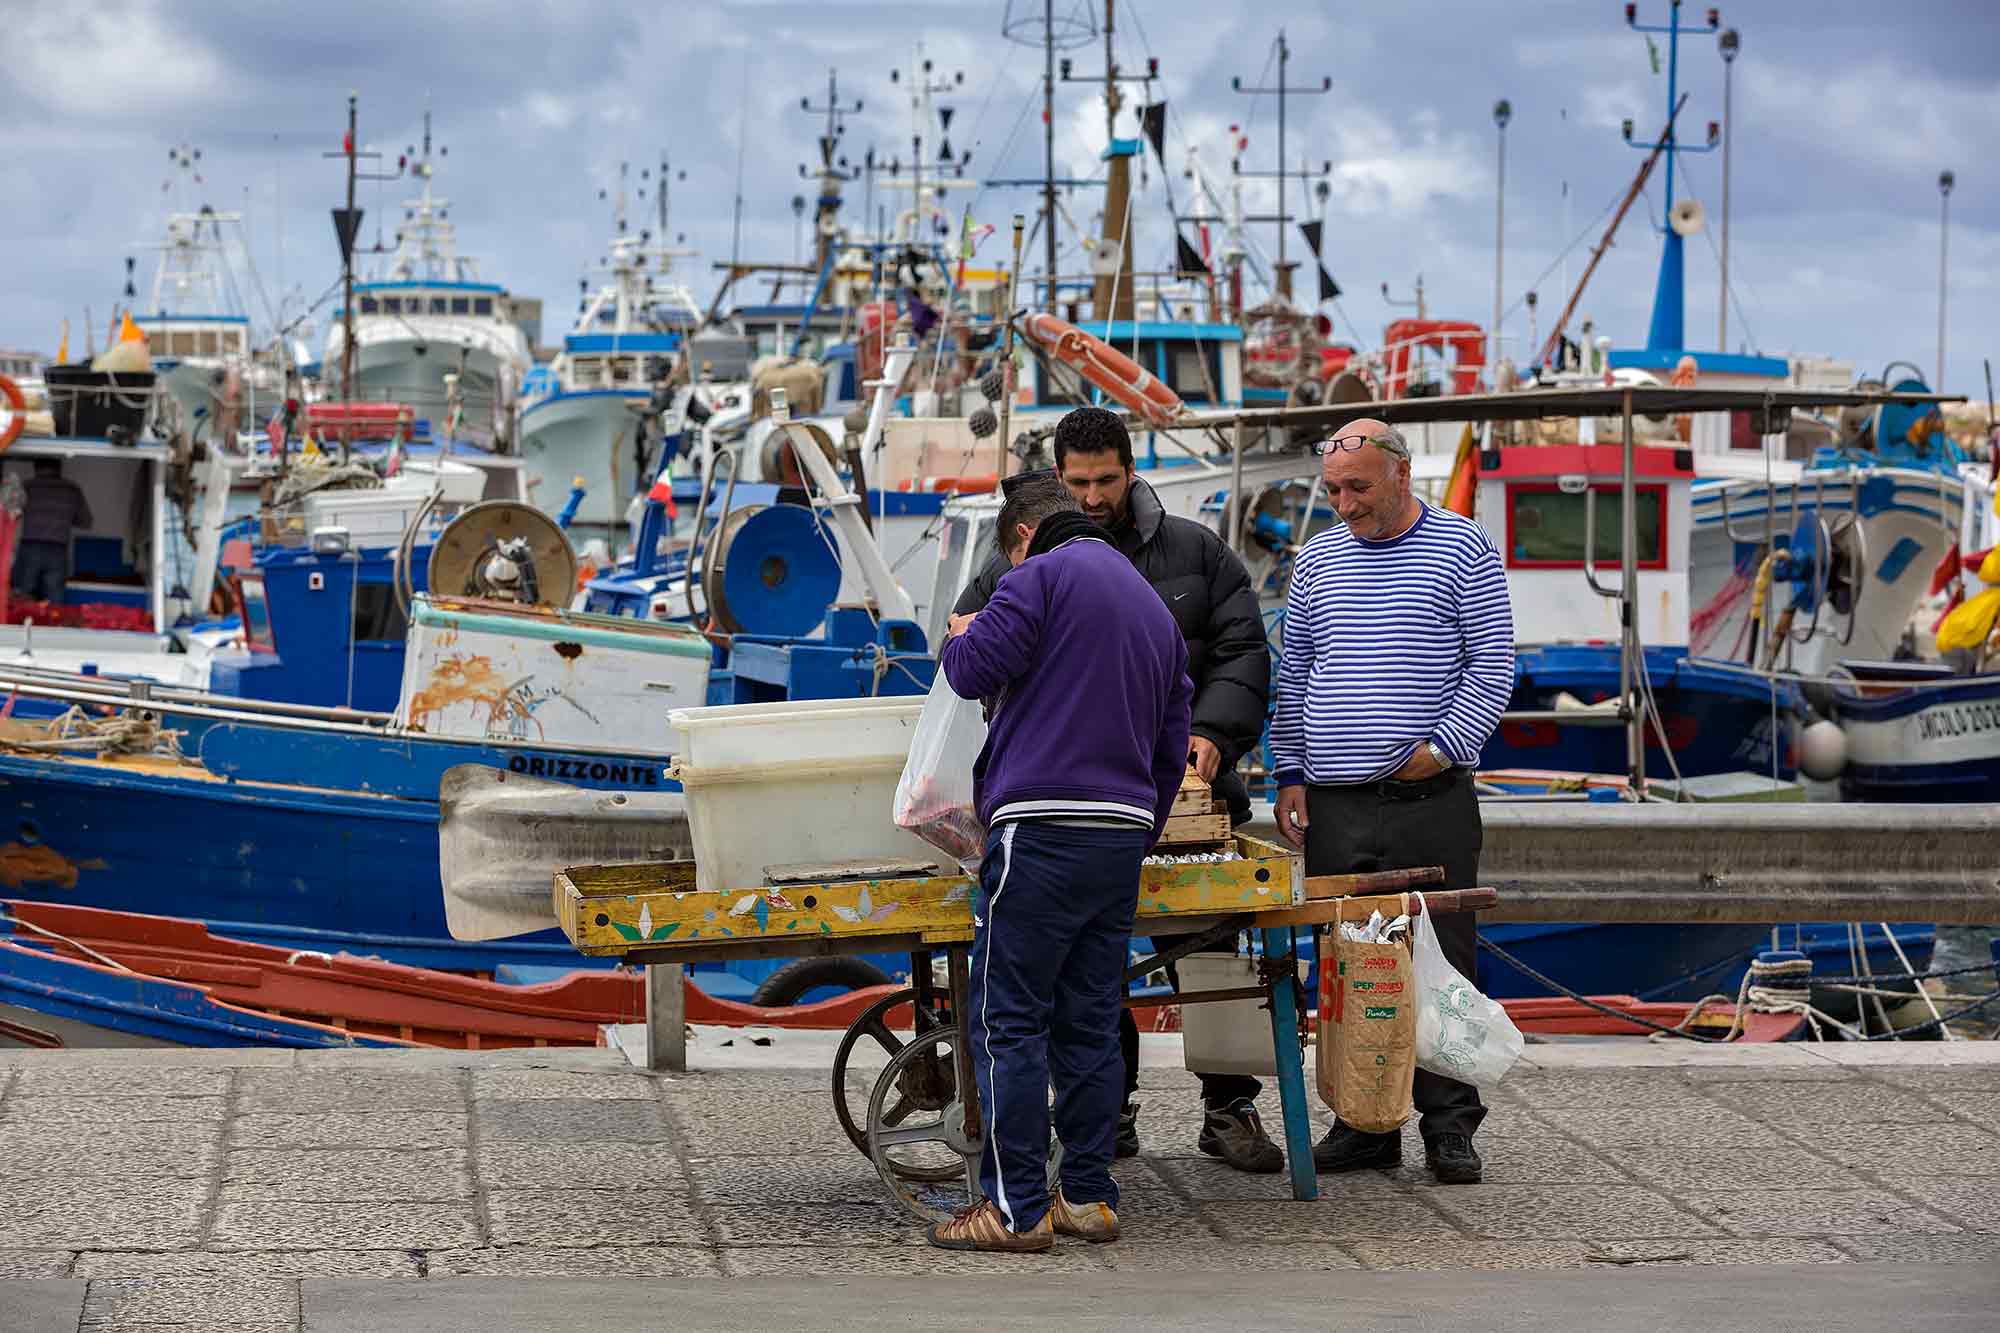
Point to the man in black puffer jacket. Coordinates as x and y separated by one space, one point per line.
1208 592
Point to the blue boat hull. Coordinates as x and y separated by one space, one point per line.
1716 721
1933 744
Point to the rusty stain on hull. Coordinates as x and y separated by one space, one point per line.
22 864
468 679
569 652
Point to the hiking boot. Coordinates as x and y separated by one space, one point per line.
1094 1222
1347 1149
981 1227
1127 1144
1453 1160
1236 1135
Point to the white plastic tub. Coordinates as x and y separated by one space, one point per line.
1229 1036
792 783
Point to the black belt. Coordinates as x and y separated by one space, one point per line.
1403 789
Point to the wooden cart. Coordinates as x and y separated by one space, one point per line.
919 1118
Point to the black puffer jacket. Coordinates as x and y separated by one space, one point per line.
1206 587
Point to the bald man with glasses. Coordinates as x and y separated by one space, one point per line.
1398 660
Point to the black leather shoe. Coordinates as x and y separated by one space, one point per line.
1236 1135
1345 1149
1453 1160
1127 1144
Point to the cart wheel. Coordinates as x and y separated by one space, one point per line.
927 1087
922 1153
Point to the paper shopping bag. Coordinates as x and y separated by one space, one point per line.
1367 1031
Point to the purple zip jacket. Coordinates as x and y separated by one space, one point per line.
1090 676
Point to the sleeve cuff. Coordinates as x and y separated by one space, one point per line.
1291 777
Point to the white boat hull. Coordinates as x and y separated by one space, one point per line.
1908 520
588 434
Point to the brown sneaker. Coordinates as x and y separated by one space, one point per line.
1094 1222
981 1227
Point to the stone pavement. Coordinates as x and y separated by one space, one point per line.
238 1189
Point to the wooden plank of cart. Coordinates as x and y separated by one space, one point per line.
918 1116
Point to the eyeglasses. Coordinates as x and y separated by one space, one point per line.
1381 439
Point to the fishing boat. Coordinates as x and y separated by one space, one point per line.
429 333
582 415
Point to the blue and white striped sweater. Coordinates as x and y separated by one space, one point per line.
1390 644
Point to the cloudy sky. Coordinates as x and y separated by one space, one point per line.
1846 111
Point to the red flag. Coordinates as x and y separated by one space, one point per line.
663 493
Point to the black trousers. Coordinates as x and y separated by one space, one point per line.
1397 826
41 570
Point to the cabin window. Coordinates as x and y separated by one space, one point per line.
180 343
392 305
1545 527
211 343
483 306
1185 365
439 305
255 612
232 342
376 616
368 305
621 369
461 305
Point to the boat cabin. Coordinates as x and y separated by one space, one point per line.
1536 504
478 300
119 578
216 339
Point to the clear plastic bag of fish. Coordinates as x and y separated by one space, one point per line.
1377 929
934 798
1461 1033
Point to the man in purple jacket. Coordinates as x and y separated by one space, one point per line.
1085 750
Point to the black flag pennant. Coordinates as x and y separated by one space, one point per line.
944 117
346 226
1329 290
1153 119
1312 232
1190 263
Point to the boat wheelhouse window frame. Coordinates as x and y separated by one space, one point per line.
482 305
392 305
461 305
253 610
440 305
1653 551
370 306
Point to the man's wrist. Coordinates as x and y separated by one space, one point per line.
1290 777
1437 752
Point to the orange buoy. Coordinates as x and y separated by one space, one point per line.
17 411
1121 378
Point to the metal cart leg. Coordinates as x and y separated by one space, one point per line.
958 965
1291 1065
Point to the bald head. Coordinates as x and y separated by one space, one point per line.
1369 485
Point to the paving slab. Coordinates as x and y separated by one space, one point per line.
350 1129
1891 1150
1307 1256
122 1110
907 1261
1403 1217
119 1080
40 1306
236 1300
560 1085
552 1120
1734 1168
1644 1127
18 1264
298 1091
166 1148
92 1213
1971 1201
343 1226
1564 1212
525 1164
247 1264
605 1261
831 1176
846 1224
1808 1212
594 1217
1835 1104
345 1175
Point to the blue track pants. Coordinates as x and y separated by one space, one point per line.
1048 964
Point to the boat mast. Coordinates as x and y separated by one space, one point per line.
1284 92
1667 331
347 226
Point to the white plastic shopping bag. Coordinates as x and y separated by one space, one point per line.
1461 1033
934 798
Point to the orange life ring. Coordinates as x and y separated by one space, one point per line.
17 416
1122 378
